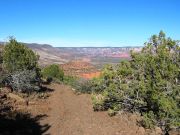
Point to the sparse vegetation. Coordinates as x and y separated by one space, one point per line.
1 62
1 57
69 80
148 84
53 73
18 57
82 85
20 67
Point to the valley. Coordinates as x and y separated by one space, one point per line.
89 67
97 56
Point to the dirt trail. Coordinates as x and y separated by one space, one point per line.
72 114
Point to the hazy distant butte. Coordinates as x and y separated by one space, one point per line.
60 55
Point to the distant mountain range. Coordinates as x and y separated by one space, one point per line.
60 55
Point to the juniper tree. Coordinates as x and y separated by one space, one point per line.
21 65
18 57
149 83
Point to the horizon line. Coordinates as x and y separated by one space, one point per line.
41 44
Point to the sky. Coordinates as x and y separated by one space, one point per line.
85 23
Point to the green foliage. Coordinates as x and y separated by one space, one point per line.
1 69
98 102
20 65
149 120
2 78
149 83
111 112
82 85
1 55
54 72
70 80
18 57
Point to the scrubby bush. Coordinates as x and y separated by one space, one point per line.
2 78
1 69
53 72
70 80
82 85
18 57
20 65
1 56
149 120
149 84
23 81
98 102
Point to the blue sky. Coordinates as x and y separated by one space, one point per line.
88 22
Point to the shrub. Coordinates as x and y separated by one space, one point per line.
83 86
2 78
70 80
2 74
53 72
20 65
23 81
1 56
148 84
111 112
98 102
79 84
18 57
149 120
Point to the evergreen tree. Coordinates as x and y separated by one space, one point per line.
21 66
148 84
18 57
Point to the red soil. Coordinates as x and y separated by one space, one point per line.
79 68
76 65
90 75
67 113
72 114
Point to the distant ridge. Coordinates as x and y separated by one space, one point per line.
61 55
31 44
48 45
105 47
